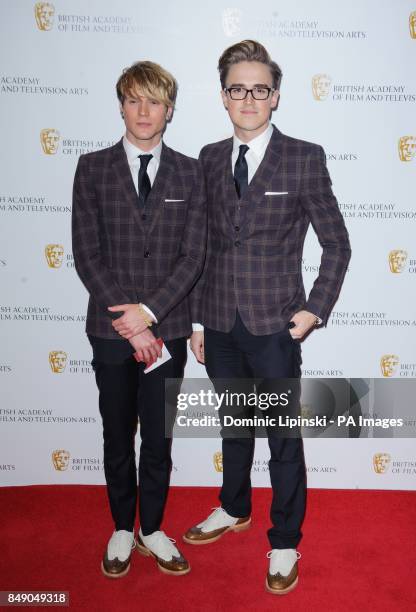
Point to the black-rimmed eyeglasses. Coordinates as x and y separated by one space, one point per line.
240 93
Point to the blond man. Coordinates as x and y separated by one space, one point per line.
139 245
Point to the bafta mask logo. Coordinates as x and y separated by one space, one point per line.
218 461
321 84
60 460
412 24
389 365
381 462
231 19
407 148
49 139
44 13
54 254
57 361
397 261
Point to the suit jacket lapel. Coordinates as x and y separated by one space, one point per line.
156 198
261 180
229 194
122 170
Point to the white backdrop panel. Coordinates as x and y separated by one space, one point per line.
60 74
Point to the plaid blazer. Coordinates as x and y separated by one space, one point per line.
254 253
126 254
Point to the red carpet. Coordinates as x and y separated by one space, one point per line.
358 553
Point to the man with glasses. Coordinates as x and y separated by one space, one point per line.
263 191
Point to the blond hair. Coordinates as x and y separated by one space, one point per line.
150 79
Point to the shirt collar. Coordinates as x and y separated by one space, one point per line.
258 145
133 152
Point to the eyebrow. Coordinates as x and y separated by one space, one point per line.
255 85
138 97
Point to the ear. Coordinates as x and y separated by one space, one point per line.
169 113
120 105
275 99
224 99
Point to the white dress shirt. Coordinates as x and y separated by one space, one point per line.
133 160
255 154
254 157
133 153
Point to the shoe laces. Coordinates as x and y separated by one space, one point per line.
214 519
168 543
270 553
216 511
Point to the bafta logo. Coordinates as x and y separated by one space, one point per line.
218 461
321 84
44 12
381 462
54 254
57 361
49 139
412 24
231 18
397 261
407 148
60 460
389 365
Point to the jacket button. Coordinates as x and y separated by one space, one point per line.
147 253
237 243
144 217
237 228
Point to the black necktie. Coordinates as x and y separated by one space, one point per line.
144 181
241 171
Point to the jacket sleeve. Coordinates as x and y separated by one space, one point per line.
191 257
321 206
195 297
96 277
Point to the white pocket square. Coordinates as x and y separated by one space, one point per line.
167 200
276 193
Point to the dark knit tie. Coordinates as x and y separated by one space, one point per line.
241 171
144 181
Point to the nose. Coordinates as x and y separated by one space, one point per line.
144 107
249 98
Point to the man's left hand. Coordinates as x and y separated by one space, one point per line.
304 321
131 323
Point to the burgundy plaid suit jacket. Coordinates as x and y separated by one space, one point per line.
254 253
126 254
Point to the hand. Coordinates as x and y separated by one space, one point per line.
304 321
197 345
147 347
131 322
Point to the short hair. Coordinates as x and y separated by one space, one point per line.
248 51
151 79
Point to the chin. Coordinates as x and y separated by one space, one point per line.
144 136
250 126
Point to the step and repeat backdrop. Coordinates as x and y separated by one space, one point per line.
349 85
